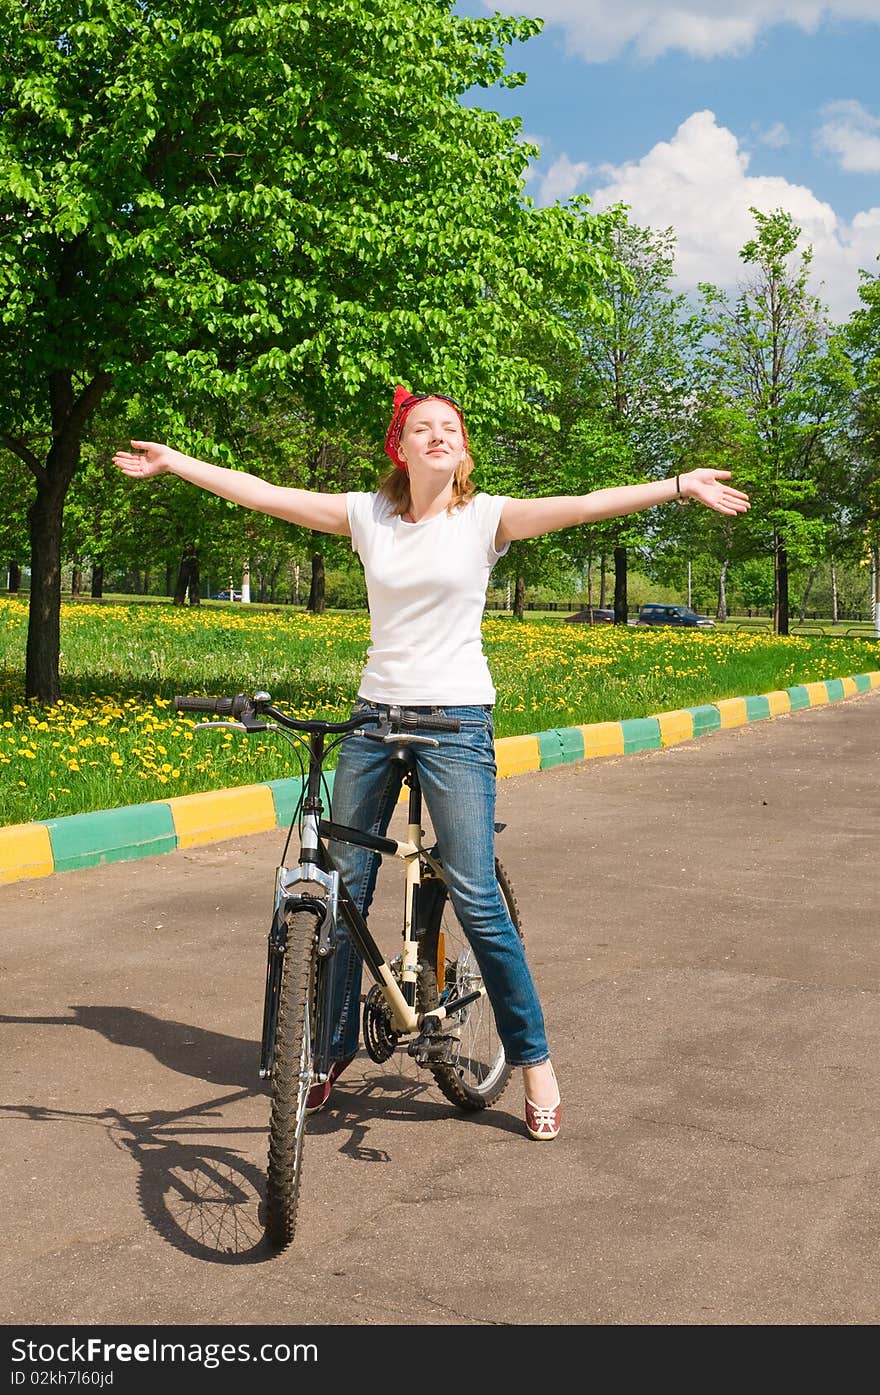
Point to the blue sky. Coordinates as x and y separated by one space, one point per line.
694 110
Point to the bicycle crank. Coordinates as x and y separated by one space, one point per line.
380 1038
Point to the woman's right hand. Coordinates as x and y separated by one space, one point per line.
145 458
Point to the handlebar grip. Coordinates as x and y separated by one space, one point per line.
220 707
423 721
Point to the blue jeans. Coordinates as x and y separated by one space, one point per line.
458 783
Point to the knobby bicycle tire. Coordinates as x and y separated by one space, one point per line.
291 1078
479 1074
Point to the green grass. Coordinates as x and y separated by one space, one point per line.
114 740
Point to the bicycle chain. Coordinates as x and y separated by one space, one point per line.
380 1038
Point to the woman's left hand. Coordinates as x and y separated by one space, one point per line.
707 487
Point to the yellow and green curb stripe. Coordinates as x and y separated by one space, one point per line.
25 851
562 745
144 830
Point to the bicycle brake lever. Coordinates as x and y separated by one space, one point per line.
409 738
396 737
209 726
235 726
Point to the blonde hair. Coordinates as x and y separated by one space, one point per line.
394 484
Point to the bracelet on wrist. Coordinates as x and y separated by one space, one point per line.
679 497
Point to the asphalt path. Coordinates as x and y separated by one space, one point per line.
702 923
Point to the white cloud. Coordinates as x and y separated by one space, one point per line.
598 30
852 134
776 136
564 178
698 184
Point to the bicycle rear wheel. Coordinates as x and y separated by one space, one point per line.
291 1077
478 1072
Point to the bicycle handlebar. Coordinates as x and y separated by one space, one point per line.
426 721
220 707
260 705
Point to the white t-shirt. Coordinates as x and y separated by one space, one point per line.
426 587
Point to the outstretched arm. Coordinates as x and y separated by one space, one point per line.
326 513
528 518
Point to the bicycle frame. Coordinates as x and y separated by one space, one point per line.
316 886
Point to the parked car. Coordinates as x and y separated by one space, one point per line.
594 615
656 614
225 595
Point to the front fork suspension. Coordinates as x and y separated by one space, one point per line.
275 967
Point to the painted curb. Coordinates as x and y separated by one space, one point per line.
143 830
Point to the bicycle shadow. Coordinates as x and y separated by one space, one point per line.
400 1098
205 1199
197 1052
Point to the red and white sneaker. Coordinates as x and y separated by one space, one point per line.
543 1121
319 1093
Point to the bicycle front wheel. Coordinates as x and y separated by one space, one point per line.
477 1073
291 1077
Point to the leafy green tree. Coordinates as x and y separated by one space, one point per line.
539 452
862 341
774 360
635 385
615 404
720 438
754 582
220 199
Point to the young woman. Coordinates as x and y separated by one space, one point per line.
428 544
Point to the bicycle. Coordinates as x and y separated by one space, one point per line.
430 999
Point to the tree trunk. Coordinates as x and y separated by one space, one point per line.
519 598
780 588
180 586
188 580
14 577
317 591
97 580
806 592
835 597
603 581
620 586
272 584
45 519
721 612
317 602
69 414
44 619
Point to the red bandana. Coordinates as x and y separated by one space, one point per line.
404 401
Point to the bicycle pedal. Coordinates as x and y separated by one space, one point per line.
435 1048
432 1053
